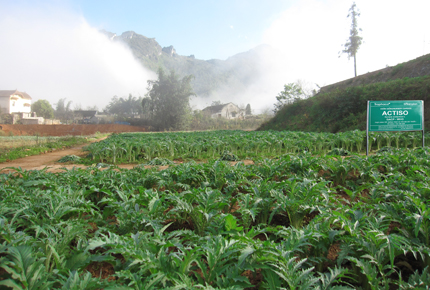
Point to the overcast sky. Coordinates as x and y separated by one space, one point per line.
52 49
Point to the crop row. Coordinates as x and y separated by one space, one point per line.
135 147
298 222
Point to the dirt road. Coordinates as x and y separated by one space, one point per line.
39 162
50 160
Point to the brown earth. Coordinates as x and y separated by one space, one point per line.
39 162
66 130
50 161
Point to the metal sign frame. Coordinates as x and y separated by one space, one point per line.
394 115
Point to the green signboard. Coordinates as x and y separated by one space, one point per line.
395 115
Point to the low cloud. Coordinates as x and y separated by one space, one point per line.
265 69
54 53
312 32
308 36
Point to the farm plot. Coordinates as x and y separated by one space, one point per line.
138 147
300 221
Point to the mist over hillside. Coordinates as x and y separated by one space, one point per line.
342 106
250 77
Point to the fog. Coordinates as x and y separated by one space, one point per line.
305 41
265 81
312 33
52 53
308 37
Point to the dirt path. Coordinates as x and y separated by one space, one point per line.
39 162
50 160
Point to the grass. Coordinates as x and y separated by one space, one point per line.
22 141
14 147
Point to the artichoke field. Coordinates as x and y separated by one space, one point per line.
302 219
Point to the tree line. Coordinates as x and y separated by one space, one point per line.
166 106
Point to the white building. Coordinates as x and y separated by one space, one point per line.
227 111
14 101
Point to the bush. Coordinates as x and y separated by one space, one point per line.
345 109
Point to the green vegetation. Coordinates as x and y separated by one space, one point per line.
291 93
201 121
140 147
235 73
43 109
130 106
126 110
300 221
4 118
14 147
168 101
63 111
69 158
354 41
397 68
345 109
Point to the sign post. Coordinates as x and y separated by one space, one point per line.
394 116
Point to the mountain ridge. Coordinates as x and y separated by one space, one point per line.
212 78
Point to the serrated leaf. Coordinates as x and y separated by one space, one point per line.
230 223
11 283
249 250
77 261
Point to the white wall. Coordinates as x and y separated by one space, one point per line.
18 105
229 110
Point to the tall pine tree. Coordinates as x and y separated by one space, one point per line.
355 40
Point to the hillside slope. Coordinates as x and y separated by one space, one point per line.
414 68
210 76
342 106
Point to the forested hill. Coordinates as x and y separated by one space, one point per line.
236 73
342 106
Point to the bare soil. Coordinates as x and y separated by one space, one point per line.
39 162
49 160
66 130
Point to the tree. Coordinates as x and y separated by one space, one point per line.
5 118
308 89
291 93
168 101
63 111
248 111
43 109
130 106
354 41
77 107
